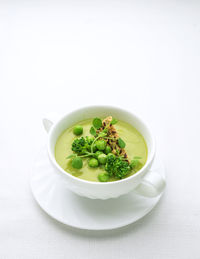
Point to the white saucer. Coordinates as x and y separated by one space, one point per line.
61 204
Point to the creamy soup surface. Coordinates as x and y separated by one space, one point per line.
135 146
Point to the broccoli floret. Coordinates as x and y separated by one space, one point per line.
117 167
82 145
79 145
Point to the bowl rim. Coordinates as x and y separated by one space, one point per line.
66 174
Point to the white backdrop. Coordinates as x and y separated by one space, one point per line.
139 55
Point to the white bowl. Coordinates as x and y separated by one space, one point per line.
150 185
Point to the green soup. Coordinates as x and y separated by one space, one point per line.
135 146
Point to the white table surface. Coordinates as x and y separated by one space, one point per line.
143 56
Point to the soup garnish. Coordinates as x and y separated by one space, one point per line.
105 149
78 130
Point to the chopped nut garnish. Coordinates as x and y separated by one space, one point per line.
112 133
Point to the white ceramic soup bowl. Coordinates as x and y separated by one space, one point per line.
146 183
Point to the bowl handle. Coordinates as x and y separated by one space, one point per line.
152 185
48 123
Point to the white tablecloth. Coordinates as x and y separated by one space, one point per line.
134 54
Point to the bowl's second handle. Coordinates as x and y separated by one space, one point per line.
152 185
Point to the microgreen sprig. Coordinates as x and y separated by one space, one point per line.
93 131
114 121
121 143
97 123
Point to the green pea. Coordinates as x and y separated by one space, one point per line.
108 150
97 153
101 144
102 159
110 155
103 177
134 163
93 162
77 163
78 130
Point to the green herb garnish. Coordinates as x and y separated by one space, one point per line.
71 156
114 121
102 134
121 143
97 123
93 131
